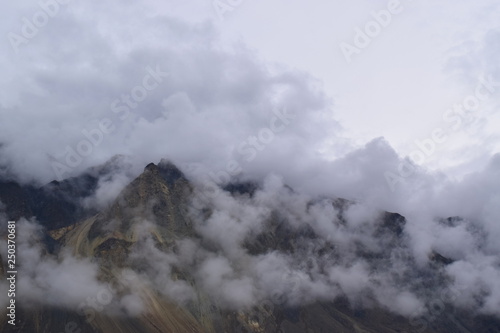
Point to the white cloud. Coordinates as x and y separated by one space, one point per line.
218 96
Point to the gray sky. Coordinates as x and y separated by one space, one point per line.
427 58
422 59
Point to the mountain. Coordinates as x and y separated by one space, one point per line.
161 266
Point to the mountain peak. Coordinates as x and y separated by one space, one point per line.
151 167
157 195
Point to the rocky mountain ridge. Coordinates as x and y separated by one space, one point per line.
156 228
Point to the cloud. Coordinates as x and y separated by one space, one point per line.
102 79
171 91
61 282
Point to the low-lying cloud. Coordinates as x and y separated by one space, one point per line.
175 90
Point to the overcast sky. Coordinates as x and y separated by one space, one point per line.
428 58
400 80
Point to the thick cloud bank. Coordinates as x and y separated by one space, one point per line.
89 85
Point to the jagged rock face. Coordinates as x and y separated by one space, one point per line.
15 199
161 196
55 205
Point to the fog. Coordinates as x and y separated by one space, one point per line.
103 80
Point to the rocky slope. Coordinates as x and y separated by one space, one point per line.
154 212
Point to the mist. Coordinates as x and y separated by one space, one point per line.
134 85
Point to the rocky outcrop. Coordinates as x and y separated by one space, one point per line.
154 208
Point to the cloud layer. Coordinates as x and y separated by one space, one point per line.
91 84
